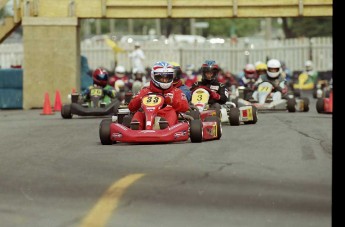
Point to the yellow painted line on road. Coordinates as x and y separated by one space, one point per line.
101 212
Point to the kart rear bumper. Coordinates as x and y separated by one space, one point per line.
272 106
78 109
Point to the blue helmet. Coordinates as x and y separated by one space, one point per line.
209 66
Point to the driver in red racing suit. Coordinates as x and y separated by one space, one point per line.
162 75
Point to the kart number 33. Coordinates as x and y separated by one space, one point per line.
152 100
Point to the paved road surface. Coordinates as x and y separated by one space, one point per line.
54 172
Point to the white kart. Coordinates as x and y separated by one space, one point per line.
228 112
264 99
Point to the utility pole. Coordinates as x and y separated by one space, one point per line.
268 30
192 26
158 27
98 27
130 27
112 26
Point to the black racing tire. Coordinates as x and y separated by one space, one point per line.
306 104
291 105
196 132
234 116
320 106
104 132
195 114
315 93
219 125
66 111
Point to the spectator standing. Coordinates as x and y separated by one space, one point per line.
137 57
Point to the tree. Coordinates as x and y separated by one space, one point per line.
307 26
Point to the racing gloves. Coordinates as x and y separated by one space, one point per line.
278 88
214 95
109 93
168 100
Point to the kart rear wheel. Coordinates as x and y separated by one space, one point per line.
219 125
196 132
104 132
291 105
234 116
314 93
66 111
320 106
306 104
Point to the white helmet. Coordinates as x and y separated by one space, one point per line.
308 65
162 74
273 68
119 85
120 71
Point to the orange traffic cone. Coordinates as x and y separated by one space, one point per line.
58 105
47 109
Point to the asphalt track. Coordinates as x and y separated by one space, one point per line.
54 173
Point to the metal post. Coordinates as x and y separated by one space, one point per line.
311 42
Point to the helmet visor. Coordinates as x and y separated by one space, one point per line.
102 77
273 70
164 77
250 75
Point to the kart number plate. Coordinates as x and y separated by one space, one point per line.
200 97
264 88
96 92
152 100
247 114
302 78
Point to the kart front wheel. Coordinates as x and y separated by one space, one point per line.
196 132
306 104
320 106
66 111
194 113
234 116
219 125
104 132
291 105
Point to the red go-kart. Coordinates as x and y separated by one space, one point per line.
325 105
187 127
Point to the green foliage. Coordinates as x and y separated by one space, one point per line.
312 27
222 27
